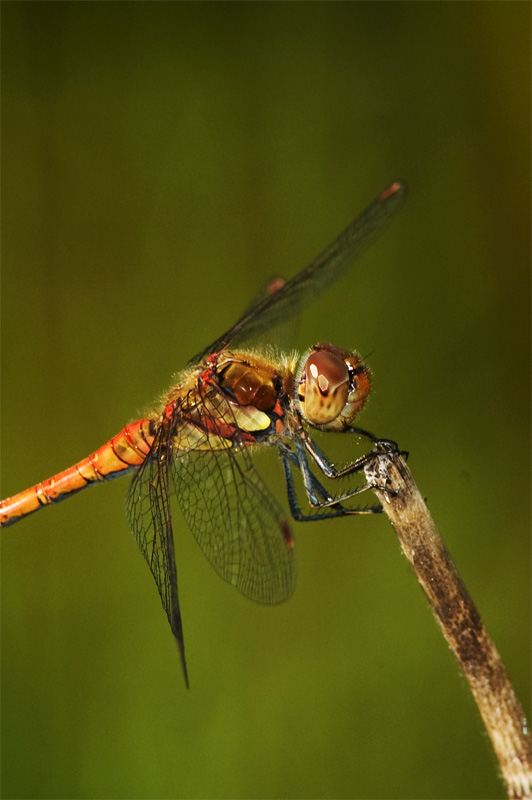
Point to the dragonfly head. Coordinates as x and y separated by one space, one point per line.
332 386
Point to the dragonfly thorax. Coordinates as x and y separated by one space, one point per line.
251 384
333 385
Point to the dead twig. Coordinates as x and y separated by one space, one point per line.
458 618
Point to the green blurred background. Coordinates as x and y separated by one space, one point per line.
160 161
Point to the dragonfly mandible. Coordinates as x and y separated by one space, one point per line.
198 446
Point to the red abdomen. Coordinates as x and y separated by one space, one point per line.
123 452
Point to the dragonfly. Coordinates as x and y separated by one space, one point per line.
229 401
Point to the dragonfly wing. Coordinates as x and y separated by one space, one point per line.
282 332
231 512
307 285
237 523
149 515
271 286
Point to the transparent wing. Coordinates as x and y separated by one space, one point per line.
150 519
307 285
237 523
281 334
231 512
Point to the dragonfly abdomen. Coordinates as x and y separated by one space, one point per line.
125 451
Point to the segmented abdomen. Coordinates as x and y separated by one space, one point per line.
123 452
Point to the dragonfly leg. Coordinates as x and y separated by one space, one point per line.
386 444
330 471
328 506
315 486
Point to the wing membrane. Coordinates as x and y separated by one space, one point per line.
231 512
150 519
237 523
305 287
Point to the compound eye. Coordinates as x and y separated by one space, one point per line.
326 386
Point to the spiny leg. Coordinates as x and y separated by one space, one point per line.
330 471
312 488
329 499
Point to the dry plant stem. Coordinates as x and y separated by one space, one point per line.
459 619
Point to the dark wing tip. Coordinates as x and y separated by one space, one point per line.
181 649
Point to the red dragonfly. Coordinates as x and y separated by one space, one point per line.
198 446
